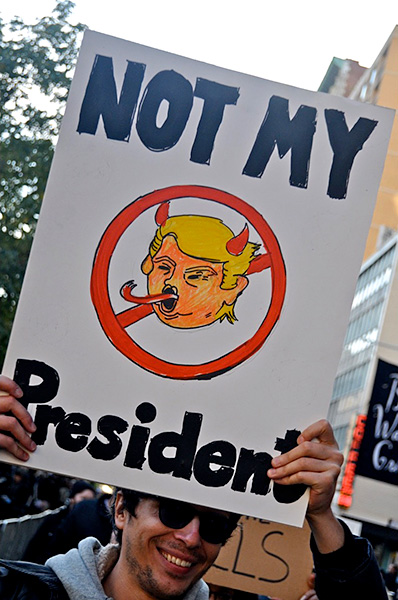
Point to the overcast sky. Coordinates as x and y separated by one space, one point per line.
288 41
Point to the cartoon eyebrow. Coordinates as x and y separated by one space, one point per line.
165 260
198 270
198 273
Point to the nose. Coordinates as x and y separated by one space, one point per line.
190 534
174 277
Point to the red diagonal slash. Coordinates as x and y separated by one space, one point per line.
114 326
134 314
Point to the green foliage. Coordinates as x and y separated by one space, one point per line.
36 64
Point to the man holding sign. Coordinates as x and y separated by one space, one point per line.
195 406
166 546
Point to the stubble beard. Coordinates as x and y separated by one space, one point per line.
148 583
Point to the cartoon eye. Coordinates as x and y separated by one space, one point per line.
194 276
164 268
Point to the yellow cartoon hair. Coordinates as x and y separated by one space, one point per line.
206 238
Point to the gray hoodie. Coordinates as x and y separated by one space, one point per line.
82 569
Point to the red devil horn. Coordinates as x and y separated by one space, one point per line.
162 213
236 244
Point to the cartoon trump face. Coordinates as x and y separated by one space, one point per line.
196 269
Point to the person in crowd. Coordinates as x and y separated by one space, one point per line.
311 593
88 518
164 546
17 493
45 541
391 577
48 491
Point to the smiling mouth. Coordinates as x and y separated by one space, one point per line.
175 560
169 305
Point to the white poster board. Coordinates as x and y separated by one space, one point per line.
147 387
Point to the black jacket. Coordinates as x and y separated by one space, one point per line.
350 572
29 581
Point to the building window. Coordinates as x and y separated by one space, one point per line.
340 433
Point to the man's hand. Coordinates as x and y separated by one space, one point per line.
315 462
18 423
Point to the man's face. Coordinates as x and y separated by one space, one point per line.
160 561
195 282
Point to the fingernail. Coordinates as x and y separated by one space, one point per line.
32 446
276 461
271 472
18 393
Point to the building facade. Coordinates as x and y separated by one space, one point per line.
372 332
341 77
379 85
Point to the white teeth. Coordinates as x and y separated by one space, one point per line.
176 561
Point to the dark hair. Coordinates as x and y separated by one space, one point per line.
79 486
131 499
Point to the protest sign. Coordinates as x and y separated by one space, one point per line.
378 451
191 276
265 558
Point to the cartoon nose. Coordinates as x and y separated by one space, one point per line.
190 533
170 279
175 276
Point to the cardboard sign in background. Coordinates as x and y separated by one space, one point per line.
142 127
265 558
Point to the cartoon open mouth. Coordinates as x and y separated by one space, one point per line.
169 305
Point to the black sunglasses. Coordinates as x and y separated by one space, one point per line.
214 528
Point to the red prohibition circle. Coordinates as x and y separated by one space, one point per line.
112 324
